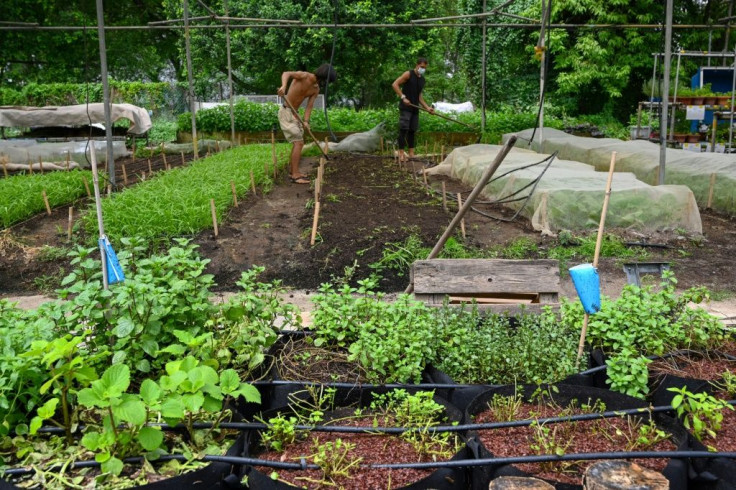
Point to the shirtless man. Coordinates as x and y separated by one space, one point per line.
304 85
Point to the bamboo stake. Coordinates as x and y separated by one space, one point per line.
597 253
317 197
30 167
109 190
182 159
67 161
252 183
150 169
214 215
327 146
235 194
444 196
86 186
125 176
710 190
217 146
273 151
462 221
163 154
4 161
40 164
70 223
46 202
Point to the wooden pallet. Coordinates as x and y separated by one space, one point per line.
495 285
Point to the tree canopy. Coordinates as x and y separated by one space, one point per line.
590 69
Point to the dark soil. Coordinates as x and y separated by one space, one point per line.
367 202
572 437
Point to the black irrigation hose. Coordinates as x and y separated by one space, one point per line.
439 428
303 465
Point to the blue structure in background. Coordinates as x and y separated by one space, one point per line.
720 79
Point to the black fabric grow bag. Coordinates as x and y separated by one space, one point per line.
676 471
440 479
660 383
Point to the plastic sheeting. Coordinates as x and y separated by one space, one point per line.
570 194
75 115
694 170
23 151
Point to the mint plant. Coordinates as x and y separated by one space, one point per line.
628 374
700 412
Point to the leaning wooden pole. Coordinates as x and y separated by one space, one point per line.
190 80
596 255
469 201
317 197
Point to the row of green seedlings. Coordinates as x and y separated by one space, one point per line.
170 205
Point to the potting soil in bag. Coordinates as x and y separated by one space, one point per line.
382 450
555 438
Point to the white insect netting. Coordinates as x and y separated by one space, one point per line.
570 194
694 170
20 152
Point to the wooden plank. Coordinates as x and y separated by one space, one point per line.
472 276
490 301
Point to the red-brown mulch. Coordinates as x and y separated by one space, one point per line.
726 440
583 437
707 367
371 448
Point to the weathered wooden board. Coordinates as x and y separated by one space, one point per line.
485 276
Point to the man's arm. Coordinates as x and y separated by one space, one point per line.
285 76
401 81
429 108
308 110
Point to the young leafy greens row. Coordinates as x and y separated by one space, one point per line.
21 195
177 202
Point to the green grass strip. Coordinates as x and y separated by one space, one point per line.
177 202
21 195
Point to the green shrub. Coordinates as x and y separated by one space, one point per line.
149 95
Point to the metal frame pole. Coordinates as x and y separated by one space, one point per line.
666 90
230 76
674 100
190 79
105 92
733 87
483 77
651 95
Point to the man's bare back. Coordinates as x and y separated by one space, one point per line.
303 85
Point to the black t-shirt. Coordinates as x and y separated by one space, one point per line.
412 89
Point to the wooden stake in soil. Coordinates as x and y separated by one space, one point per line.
86 186
70 224
596 254
125 176
163 155
462 221
317 197
217 146
240 141
710 190
273 150
182 159
434 151
426 184
30 167
46 202
444 196
67 161
235 194
40 164
4 161
150 169
252 183
214 215
327 146
109 190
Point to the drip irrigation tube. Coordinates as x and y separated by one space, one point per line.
303 465
401 430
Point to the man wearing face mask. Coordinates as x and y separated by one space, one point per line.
411 97
303 85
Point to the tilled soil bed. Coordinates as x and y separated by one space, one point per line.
367 202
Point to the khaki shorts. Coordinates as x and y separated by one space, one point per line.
290 125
